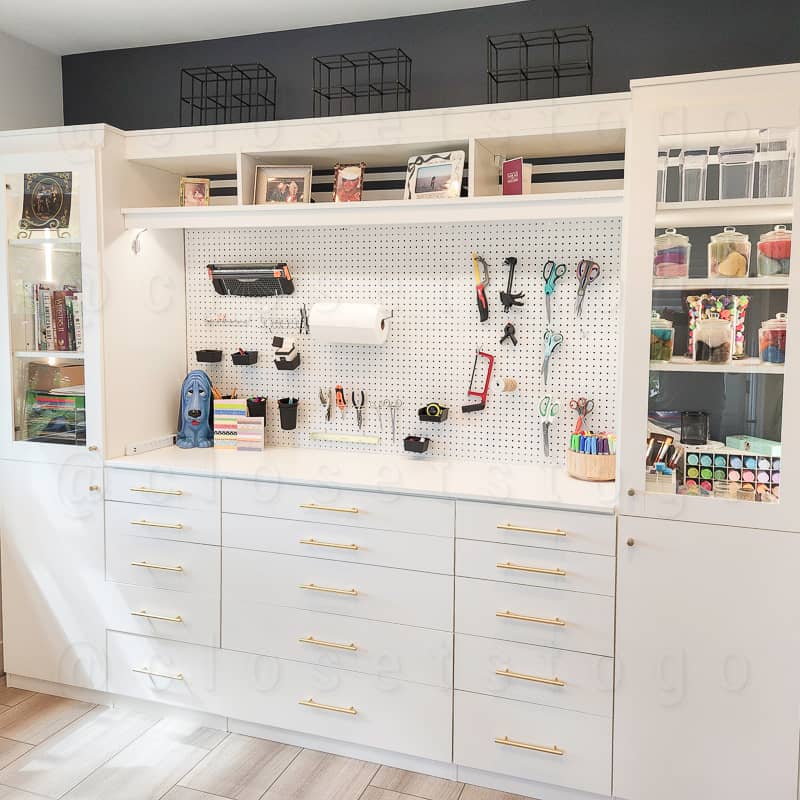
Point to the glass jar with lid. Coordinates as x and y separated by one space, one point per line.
729 254
712 339
662 336
671 253
774 251
772 339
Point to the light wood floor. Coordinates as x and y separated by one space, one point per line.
51 747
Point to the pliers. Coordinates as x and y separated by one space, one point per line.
359 407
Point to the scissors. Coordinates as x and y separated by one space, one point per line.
584 408
587 272
551 273
547 409
551 341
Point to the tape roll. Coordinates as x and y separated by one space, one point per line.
507 384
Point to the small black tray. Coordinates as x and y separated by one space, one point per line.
416 444
208 356
424 417
293 364
246 358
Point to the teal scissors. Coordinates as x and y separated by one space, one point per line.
551 341
551 273
587 272
547 410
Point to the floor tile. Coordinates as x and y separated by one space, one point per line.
374 793
241 768
40 716
320 776
10 696
7 793
399 780
65 759
11 751
479 793
182 793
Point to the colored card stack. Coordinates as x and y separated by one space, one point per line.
726 472
227 414
250 433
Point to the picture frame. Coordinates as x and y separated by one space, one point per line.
282 183
195 192
348 182
46 203
435 175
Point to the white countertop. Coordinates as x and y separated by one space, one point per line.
548 487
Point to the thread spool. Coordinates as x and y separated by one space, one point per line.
506 384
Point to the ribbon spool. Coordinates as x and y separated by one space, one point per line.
506 384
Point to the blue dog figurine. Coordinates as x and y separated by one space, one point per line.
195 423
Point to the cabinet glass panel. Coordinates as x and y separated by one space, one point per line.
45 307
721 264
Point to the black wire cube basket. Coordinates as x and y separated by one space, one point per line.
227 93
558 62
362 83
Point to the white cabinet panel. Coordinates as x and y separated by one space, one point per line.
163 489
157 522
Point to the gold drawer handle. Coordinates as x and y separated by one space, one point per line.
317 543
321 643
553 751
541 620
148 490
147 615
315 507
339 709
148 565
176 526
178 676
507 526
539 570
507 673
314 588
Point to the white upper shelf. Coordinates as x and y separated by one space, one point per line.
383 212
719 282
708 213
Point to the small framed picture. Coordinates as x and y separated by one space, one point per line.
195 192
282 184
435 175
47 202
348 182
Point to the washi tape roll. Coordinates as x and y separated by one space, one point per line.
776 477
734 475
763 463
706 473
506 384
748 476
750 462
693 472
719 461
691 483
705 485
748 487
720 474
761 489
705 461
763 476
736 462
693 459
776 463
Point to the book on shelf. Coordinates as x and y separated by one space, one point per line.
53 318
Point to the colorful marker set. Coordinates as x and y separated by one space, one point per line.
730 470
593 444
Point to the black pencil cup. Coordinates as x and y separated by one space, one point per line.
257 407
208 356
246 358
287 408
416 444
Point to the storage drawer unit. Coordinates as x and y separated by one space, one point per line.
163 489
181 524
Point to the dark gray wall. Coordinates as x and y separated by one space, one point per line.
138 88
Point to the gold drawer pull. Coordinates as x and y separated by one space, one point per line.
315 507
340 709
314 588
148 565
507 526
176 526
553 751
317 543
178 676
541 620
147 615
507 673
148 490
539 570
321 643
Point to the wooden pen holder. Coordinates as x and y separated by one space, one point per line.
587 467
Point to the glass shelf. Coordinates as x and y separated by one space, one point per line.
53 244
690 284
76 355
742 365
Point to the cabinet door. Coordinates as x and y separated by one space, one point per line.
51 520
708 630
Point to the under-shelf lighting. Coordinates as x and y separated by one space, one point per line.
48 261
136 245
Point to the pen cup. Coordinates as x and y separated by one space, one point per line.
587 467
256 406
287 408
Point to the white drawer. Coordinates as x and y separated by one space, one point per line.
162 564
166 672
583 742
378 510
540 527
391 715
162 489
354 590
178 616
532 615
339 543
535 566
182 525
419 655
543 675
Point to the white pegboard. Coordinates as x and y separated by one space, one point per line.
424 274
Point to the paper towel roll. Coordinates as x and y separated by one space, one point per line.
349 323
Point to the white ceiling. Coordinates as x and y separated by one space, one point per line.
82 26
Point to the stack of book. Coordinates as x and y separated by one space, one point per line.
53 317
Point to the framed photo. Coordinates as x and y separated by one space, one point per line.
47 202
195 192
282 184
435 175
348 182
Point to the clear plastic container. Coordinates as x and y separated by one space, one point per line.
729 254
712 340
736 171
772 340
773 252
662 335
776 156
671 253
693 168
661 175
